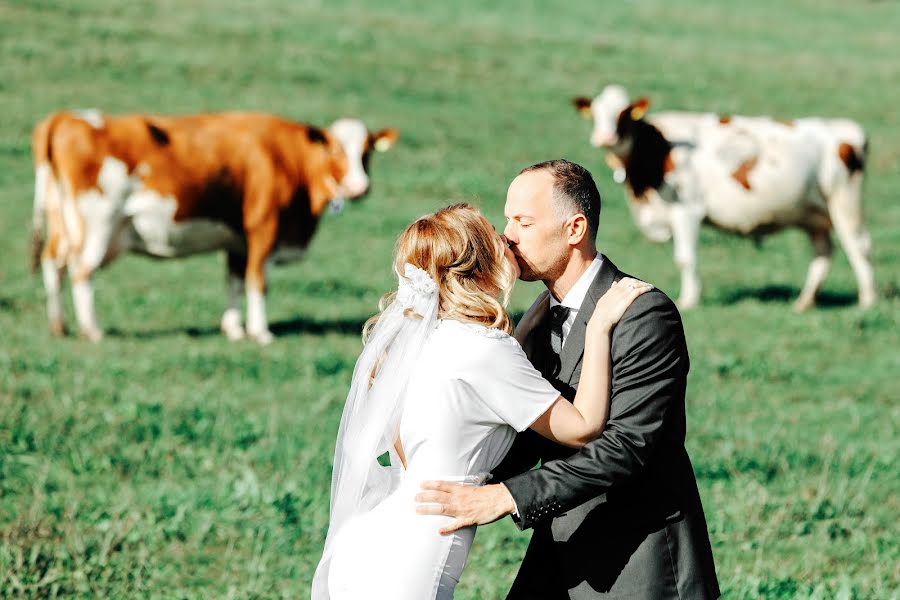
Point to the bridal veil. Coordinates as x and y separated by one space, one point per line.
371 418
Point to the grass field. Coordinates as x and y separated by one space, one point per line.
166 462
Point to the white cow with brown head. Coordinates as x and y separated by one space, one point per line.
747 175
252 184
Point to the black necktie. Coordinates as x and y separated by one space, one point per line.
558 316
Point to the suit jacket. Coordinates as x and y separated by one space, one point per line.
620 518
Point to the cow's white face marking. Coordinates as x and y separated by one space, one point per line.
92 117
605 109
352 135
155 231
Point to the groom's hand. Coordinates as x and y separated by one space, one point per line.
469 505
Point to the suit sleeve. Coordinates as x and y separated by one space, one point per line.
522 456
650 365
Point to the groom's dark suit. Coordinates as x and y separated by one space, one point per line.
621 518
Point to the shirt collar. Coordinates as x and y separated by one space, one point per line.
575 297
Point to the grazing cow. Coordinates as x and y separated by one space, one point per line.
746 175
254 185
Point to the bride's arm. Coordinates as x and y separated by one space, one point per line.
576 423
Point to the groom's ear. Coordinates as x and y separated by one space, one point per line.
576 229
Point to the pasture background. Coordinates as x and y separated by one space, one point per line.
167 462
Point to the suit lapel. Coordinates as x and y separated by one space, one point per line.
573 349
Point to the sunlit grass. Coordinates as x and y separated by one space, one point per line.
166 462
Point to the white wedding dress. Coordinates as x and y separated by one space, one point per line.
470 390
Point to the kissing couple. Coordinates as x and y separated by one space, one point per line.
591 387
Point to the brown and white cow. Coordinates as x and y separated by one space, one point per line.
254 185
746 175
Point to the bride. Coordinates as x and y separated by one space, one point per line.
440 389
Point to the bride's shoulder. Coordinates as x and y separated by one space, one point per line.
476 331
475 350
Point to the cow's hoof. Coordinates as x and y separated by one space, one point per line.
803 304
263 338
231 326
867 301
234 334
92 335
57 328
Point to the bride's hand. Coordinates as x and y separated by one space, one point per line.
614 302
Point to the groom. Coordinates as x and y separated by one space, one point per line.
620 518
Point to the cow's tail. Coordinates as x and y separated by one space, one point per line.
41 152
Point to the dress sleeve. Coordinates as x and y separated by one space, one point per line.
510 387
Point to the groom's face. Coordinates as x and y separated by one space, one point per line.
535 232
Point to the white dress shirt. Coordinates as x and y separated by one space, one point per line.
576 295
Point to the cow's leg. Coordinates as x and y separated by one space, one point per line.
818 268
82 270
101 227
845 209
231 319
83 297
51 252
685 233
102 238
260 243
53 274
82 266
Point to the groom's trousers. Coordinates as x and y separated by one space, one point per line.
537 578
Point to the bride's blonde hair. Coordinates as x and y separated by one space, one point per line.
465 257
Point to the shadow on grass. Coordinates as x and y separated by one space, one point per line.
152 334
305 325
783 294
280 329
298 326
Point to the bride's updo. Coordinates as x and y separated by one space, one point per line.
465 257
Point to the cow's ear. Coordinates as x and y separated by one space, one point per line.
639 108
384 139
583 106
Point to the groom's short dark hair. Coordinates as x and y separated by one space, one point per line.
574 189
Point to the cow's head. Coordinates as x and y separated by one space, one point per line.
604 110
357 144
629 122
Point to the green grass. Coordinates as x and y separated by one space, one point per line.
167 462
